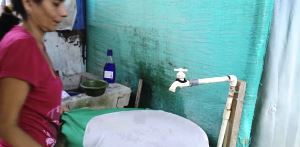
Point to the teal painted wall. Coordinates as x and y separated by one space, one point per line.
210 38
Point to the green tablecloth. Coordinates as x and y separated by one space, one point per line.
75 121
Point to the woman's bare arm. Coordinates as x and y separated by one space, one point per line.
13 93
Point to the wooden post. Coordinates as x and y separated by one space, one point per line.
232 129
138 93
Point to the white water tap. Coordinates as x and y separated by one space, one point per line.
180 75
180 80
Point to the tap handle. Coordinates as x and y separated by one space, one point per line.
180 75
181 69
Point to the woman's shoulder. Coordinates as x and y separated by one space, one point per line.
15 35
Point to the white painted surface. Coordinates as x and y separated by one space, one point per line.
66 56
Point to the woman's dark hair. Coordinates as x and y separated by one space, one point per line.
19 7
8 19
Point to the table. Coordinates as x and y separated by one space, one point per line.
115 96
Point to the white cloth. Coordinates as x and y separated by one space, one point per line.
278 122
64 95
143 128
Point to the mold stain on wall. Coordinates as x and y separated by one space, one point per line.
147 49
76 38
67 51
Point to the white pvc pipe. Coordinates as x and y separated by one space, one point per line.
230 78
226 115
213 80
227 111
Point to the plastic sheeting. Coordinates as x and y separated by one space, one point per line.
68 22
210 38
80 16
278 120
4 3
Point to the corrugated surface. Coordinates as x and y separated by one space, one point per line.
211 38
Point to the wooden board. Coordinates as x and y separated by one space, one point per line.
232 129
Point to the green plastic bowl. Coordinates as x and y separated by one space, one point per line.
94 87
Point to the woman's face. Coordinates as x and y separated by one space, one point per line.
47 14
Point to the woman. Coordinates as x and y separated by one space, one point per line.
30 92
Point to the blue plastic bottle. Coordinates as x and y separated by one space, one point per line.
109 70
